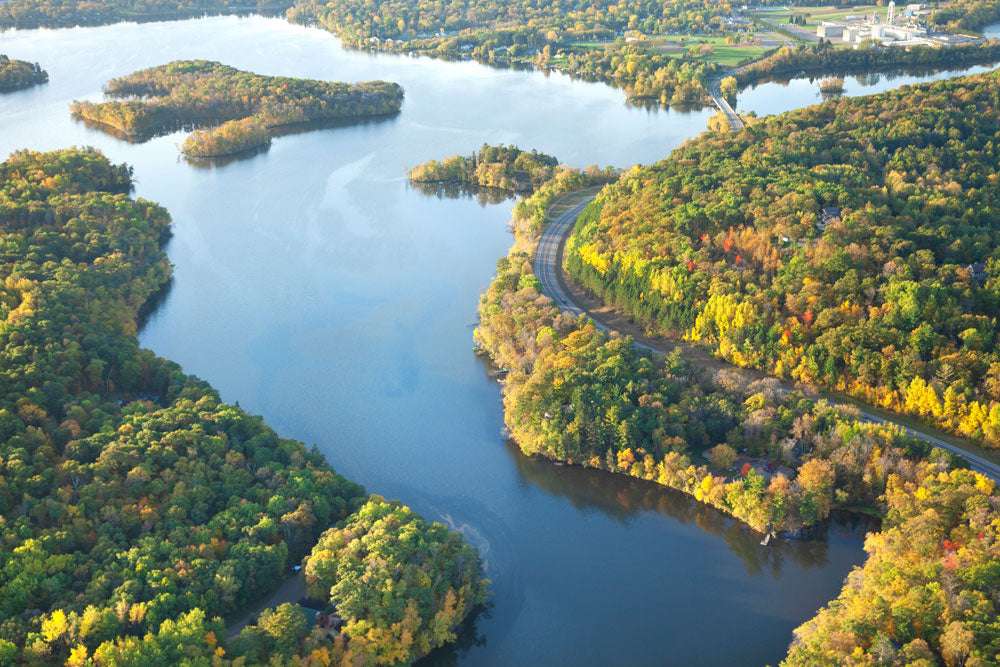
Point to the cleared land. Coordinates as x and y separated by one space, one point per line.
726 55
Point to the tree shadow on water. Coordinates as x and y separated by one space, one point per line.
483 195
467 637
625 499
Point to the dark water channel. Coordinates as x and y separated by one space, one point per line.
315 287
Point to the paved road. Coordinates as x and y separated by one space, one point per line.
547 267
804 34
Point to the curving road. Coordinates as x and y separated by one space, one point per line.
548 269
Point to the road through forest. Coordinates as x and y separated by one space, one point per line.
548 268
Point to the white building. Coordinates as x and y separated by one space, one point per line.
827 30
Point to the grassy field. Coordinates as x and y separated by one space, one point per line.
730 56
677 45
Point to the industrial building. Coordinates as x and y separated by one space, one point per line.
901 29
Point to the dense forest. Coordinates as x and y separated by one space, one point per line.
850 245
501 167
194 93
643 73
16 74
577 394
135 506
431 576
928 593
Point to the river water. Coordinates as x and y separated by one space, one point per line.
313 286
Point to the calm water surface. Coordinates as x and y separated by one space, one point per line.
314 287
779 96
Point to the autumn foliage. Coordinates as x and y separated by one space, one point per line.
240 106
866 240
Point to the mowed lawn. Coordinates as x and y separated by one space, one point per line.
723 54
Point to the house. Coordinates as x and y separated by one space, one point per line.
977 270
827 216
329 623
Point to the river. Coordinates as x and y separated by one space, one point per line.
315 287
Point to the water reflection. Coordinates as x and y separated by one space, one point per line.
624 498
483 195
869 79
217 161
152 304
467 637
223 160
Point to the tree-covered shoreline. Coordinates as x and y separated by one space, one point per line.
18 74
28 14
234 107
575 394
230 138
135 506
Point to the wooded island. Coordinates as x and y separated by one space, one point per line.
234 107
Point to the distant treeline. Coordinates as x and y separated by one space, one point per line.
15 74
194 93
62 13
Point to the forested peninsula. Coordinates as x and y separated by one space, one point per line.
236 107
17 74
136 508
850 245
777 461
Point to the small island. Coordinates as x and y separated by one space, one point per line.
832 85
18 74
499 167
232 111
